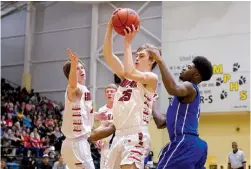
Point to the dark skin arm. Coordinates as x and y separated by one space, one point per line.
173 88
102 132
158 117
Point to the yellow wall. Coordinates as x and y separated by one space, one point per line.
218 131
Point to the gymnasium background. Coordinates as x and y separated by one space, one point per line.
34 39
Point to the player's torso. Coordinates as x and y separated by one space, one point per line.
108 112
183 118
78 116
132 105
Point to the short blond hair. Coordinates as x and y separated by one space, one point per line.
111 86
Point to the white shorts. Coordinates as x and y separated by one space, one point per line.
77 153
129 146
104 155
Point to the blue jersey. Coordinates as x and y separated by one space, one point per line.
183 118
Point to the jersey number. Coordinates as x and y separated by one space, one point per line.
126 95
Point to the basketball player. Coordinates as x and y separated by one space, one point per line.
132 102
185 150
104 114
78 117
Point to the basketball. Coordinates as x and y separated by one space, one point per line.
125 17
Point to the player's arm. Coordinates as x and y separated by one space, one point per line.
158 117
102 132
243 159
72 81
172 87
111 59
129 66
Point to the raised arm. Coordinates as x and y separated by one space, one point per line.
73 81
172 87
73 90
147 78
112 60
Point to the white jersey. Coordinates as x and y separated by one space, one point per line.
132 105
78 116
108 112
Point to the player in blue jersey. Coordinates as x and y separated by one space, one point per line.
185 150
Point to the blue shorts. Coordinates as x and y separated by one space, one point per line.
184 152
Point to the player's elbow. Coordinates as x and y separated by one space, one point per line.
161 126
127 74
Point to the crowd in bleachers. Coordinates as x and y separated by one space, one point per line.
30 124
31 128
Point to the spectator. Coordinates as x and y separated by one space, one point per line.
60 164
9 121
236 158
35 132
29 123
3 164
45 163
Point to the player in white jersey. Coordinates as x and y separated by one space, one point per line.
78 116
132 102
105 114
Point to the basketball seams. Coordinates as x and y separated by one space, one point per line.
121 21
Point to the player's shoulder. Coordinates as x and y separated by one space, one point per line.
152 74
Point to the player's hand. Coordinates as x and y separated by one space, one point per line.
72 56
101 116
130 33
155 53
99 144
113 14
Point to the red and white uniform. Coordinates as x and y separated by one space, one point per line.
131 112
77 124
105 141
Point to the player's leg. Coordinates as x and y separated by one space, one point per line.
136 148
202 161
113 158
104 153
69 156
82 152
182 153
175 155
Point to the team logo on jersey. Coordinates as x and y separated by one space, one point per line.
127 83
87 96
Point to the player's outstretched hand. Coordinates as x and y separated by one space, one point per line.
113 14
72 56
130 33
101 116
154 52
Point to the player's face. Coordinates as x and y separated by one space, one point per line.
187 72
142 62
109 94
81 73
